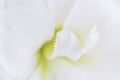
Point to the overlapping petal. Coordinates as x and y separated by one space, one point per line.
59 10
22 31
26 24
101 62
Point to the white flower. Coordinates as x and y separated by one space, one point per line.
59 40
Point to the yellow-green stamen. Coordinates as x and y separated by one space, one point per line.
45 50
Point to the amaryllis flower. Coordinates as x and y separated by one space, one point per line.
59 40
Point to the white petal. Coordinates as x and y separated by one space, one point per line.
63 70
59 9
87 13
4 75
36 75
66 45
117 2
91 41
103 62
36 4
22 31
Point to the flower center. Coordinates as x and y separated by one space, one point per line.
64 43
45 50
68 45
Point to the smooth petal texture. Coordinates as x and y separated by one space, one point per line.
21 34
91 40
67 45
61 69
88 13
103 61
59 10
36 75
22 31
80 20
117 2
4 75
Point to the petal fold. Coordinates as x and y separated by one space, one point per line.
22 31
66 45
59 10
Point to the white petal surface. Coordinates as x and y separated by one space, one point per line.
63 70
4 75
66 45
35 76
91 41
103 63
59 9
22 31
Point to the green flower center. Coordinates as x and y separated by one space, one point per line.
45 50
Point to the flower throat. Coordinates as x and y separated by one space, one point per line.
45 50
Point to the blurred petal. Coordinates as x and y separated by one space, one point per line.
117 2
22 31
66 45
35 76
59 9
4 75
91 40
36 4
80 19
103 62
62 70
87 13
